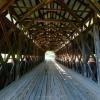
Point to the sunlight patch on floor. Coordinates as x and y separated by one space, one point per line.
62 71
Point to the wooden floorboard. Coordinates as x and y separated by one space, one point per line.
49 81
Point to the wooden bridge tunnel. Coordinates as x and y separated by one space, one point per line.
29 28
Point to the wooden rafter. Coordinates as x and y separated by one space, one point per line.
94 5
4 4
77 17
30 11
51 23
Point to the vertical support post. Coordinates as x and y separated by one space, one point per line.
18 66
84 59
97 50
85 55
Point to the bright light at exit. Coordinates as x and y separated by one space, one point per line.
49 55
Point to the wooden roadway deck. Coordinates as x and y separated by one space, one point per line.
51 81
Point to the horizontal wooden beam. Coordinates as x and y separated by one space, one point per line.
57 10
49 9
50 20
63 27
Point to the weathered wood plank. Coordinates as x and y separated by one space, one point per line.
49 81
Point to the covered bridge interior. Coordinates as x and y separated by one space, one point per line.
29 28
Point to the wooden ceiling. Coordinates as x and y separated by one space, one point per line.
53 23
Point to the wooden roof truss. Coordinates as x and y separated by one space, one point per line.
53 23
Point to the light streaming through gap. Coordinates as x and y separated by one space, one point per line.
49 56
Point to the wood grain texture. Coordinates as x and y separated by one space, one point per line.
49 81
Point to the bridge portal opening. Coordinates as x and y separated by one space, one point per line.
49 56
